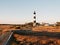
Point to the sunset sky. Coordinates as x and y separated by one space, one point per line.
21 11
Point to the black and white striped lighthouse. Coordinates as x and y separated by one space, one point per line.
34 21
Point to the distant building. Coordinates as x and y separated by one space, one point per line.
45 24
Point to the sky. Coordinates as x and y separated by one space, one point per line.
21 11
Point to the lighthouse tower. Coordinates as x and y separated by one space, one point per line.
34 21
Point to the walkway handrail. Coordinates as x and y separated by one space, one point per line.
8 38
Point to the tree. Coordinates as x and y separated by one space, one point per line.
57 23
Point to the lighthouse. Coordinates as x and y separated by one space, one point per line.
34 21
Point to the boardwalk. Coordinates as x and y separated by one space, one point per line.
5 37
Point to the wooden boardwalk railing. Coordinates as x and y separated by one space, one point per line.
5 38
